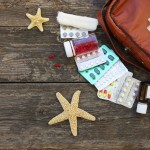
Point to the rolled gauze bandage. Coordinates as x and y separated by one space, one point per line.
80 22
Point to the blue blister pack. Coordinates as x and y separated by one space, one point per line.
94 74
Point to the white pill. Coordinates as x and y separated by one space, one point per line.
134 94
124 89
88 55
92 64
94 53
97 62
129 104
120 99
136 89
122 94
131 99
83 57
82 67
129 79
127 84
86 66
78 58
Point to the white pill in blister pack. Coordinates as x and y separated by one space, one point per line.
70 32
88 61
112 91
117 71
129 92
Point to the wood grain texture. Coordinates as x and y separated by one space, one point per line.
13 13
24 53
29 81
27 108
24 57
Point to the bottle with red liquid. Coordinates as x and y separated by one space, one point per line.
82 47
86 52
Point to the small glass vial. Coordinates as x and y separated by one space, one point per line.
79 47
143 98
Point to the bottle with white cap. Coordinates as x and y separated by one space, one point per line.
144 98
86 52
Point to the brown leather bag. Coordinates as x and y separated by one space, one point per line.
127 20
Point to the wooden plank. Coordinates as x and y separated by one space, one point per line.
27 108
24 57
12 13
24 53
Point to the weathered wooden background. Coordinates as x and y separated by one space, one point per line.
29 81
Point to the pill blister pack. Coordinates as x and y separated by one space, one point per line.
110 76
95 59
108 92
94 74
129 92
71 32
119 86
112 91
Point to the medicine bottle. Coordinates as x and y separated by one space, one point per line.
84 46
143 98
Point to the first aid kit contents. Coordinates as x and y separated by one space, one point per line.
86 51
123 91
111 92
115 72
98 64
92 75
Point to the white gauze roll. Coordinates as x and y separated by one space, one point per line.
80 22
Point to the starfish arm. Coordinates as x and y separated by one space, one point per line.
83 114
59 118
31 17
73 125
31 25
38 12
75 98
45 20
40 27
64 103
